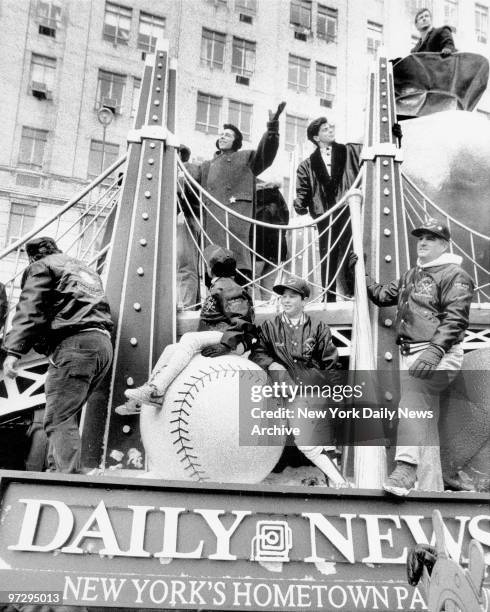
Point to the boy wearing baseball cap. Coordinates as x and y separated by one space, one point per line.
299 345
433 299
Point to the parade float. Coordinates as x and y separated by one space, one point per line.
176 513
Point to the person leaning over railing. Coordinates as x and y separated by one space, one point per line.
433 300
62 312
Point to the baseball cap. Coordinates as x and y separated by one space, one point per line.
296 284
43 245
433 226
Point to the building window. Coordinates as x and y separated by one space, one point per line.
243 57
295 131
326 26
418 5
117 23
32 146
374 38
240 114
110 90
298 73
481 23
135 98
21 221
208 113
213 49
150 28
300 13
326 82
451 13
246 6
49 17
42 76
101 156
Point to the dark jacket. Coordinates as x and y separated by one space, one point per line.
433 303
436 40
60 296
229 308
316 189
3 305
230 178
308 347
270 208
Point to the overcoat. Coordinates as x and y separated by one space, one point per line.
230 178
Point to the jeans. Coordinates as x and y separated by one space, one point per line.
77 365
418 438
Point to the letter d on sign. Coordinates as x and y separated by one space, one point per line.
30 526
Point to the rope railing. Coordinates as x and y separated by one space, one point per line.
418 206
65 232
302 240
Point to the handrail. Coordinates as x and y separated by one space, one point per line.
75 200
341 203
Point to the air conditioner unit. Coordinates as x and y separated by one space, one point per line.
242 80
39 90
110 103
246 18
326 102
300 35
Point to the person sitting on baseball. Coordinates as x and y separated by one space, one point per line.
225 326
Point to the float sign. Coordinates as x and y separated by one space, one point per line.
134 543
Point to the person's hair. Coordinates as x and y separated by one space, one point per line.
225 268
314 128
237 143
419 12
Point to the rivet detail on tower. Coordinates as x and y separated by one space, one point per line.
133 341
143 242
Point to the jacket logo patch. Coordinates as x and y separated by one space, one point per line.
308 346
90 282
424 287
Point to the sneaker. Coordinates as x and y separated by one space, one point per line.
130 407
402 480
146 394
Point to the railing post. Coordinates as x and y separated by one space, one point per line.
140 271
383 222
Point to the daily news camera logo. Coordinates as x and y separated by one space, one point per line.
272 541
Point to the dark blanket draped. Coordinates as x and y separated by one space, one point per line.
427 83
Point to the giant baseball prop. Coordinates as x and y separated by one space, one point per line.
195 435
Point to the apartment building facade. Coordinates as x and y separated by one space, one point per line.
64 60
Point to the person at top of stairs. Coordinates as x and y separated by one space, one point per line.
226 325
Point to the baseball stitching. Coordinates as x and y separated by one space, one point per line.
183 406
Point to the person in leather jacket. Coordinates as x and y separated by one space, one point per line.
296 348
433 299
62 312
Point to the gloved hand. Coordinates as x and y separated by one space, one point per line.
397 132
275 116
9 366
300 210
419 557
427 363
215 350
446 52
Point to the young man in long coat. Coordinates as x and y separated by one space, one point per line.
230 178
321 181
